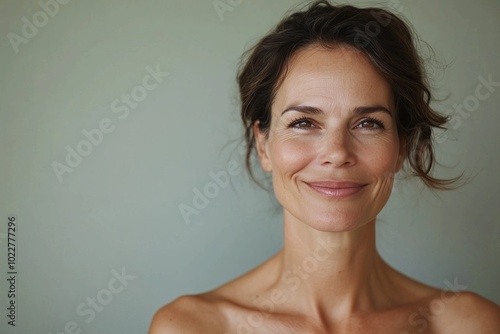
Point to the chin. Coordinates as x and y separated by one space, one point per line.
338 221
344 225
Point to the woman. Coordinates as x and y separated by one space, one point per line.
334 101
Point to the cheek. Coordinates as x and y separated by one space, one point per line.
289 155
382 160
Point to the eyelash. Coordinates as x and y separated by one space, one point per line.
299 120
379 123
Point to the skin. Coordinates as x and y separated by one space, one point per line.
333 118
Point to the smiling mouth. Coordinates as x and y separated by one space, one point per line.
336 189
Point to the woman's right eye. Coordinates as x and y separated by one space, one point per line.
302 123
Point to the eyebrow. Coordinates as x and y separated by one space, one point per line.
357 110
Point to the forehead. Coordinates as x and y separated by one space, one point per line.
332 78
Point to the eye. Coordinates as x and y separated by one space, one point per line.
370 124
302 123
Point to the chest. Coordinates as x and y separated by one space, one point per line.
393 323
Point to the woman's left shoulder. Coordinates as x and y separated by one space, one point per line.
466 312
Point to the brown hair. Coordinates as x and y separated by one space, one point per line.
383 37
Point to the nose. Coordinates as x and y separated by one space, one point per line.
336 148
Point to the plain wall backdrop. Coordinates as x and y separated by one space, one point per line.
117 115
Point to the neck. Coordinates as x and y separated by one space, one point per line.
326 269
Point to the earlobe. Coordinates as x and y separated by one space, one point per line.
261 140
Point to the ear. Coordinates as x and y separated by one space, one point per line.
261 145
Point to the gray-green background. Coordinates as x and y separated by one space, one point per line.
118 209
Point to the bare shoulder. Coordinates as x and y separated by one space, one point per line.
468 312
212 312
189 315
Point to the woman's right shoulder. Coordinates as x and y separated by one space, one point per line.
211 312
189 314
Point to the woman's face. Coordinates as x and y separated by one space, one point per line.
332 146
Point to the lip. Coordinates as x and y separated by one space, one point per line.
336 189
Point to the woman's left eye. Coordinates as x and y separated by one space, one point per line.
370 124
